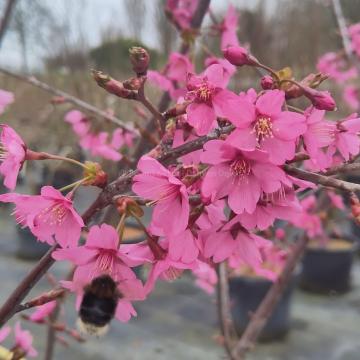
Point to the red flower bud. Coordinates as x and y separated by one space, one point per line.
267 82
322 100
140 60
239 56
113 86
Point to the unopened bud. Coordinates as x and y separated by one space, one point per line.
267 82
94 175
322 100
57 100
113 86
239 56
125 204
133 83
178 109
140 60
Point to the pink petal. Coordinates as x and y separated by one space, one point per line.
270 103
201 117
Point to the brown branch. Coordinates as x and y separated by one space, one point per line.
322 179
10 6
42 299
223 302
343 169
265 309
80 103
51 334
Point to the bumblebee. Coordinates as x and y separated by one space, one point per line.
98 305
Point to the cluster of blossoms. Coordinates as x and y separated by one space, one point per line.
219 201
98 144
345 74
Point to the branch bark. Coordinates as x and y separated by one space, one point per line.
265 309
322 179
223 302
70 98
10 6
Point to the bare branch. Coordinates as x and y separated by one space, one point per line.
343 169
322 179
10 6
223 302
72 99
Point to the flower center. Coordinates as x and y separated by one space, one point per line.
53 215
240 168
3 152
204 92
263 128
172 273
105 260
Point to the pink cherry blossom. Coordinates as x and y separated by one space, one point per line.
99 145
212 215
80 124
229 28
6 98
165 266
308 219
231 240
99 255
265 126
4 333
47 215
178 67
43 311
12 155
351 96
335 67
23 340
181 11
180 139
282 205
229 69
169 194
206 277
210 99
347 136
239 175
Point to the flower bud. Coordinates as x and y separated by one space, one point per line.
125 204
322 100
239 56
267 82
113 86
95 175
140 60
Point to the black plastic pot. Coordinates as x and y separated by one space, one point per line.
327 271
246 293
29 248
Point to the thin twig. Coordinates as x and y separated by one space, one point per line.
265 309
343 169
223 302
70 98
322 179
10 6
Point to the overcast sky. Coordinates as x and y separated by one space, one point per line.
93 16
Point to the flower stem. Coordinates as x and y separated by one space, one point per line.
121 227
74 185
64 158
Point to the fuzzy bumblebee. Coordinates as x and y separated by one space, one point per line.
98 305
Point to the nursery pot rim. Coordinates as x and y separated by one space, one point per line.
318 249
